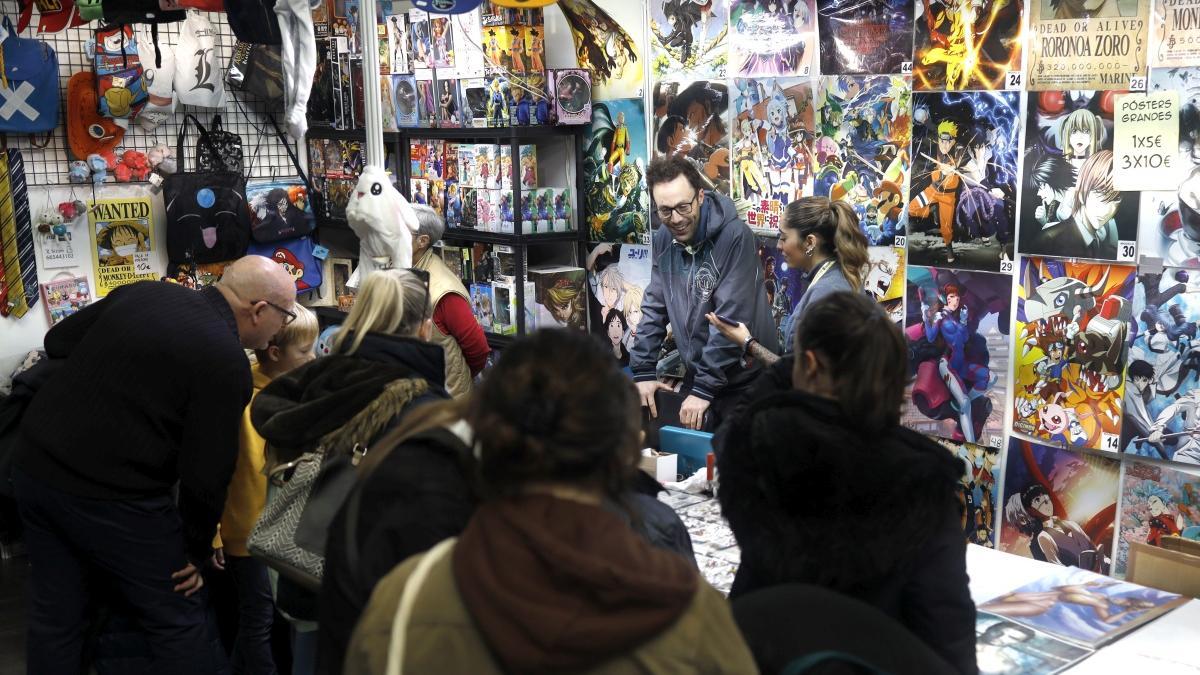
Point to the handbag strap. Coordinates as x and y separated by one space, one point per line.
204 138
287 145
412 588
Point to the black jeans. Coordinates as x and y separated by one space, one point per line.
132 547
256 609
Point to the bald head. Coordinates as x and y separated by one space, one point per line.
261 294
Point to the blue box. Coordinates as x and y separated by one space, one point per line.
692 447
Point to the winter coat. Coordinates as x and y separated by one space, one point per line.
812 501
719 272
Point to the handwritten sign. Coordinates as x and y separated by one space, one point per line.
1146 141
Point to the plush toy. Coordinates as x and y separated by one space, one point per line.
123 173
162 159
68 211
98 166
384 222
78 172
139 165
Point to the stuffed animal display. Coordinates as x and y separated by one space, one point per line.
384 222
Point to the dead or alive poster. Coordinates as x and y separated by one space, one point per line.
1085 44
966 44
771 38
864 37
1176 28
124 239
605 44
689 38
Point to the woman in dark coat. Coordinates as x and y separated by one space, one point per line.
822 486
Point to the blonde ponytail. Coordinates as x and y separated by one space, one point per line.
850 245
390 301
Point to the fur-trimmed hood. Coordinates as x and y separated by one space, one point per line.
811 500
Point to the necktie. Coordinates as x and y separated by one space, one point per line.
25 254
10 241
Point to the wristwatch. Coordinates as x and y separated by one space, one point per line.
746 344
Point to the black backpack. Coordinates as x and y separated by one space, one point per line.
254 21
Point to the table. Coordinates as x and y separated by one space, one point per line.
1169 645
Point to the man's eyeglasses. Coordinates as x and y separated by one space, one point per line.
685 209
288 315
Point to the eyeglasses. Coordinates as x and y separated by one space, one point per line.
684 209
288 315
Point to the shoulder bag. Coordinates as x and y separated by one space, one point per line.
207 218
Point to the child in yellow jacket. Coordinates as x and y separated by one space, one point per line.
291 348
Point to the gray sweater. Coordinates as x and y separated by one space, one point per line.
832 281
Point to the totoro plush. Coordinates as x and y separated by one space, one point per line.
383 221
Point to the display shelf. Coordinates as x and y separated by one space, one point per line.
497 134
328 133
485 237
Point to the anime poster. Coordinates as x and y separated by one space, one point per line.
865 36
691 120
957 330
864 126
1059 506
689 39
1169 229
614 173
1157 501
399 55
1082 607
962 208
1176 28
966 44
404 100
785 285
1086 44
442 35
1070 208
605 48
1072 344
1006 648
977 490
469 59
773 161
1162 381
556 297
124 241
885 279
771 37
618 275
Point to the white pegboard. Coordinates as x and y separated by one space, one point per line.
245 116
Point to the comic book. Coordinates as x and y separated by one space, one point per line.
771 38
617 204
399 46
1072 332
691 120
421 40
957 327
864 126
866 36
123 232
1169 229
64 296
1086 45
442 36
785 285
1176 29
1157 501
962 210
606 48
1083 607
1006 648
1059 506
1069 207
967 44
689 39
977 490
773 163
1162 381
617 275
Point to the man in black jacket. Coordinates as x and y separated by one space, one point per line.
150 395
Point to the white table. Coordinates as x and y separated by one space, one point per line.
1167 645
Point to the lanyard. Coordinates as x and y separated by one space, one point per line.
821 272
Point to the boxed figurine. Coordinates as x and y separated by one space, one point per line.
506 167
454 204
419 191
559 297
498 97
563 222
528 167
570 96
475 100
467 174
487 161
506 211
404 100
487 210
470 208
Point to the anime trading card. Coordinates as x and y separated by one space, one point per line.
689 39
865 36
957 330
691 120
618 275
773 163
1169 224
605 48
1086 44
1072 334
1162 380
1059 506
1157 501
1070 208
885 279
864 126
1176 29
963 197
977 490
614 173
966 44
771 37
785 285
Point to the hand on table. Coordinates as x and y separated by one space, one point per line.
691 413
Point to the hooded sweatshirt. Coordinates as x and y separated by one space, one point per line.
718 272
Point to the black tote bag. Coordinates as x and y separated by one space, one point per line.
207 217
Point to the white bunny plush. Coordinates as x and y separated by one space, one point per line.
384 222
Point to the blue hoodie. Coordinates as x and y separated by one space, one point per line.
719 272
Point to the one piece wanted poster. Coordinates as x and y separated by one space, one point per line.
1176 28
967 44
124 240
1075 44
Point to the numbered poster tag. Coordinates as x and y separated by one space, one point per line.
141 263
997 441
1126 250
901 241
1110 442
1014 80
906 68
1006 266
1137 83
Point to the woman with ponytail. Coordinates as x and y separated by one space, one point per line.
821 485
822 238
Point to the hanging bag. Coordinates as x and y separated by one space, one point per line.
257 70
198 80
120 81
207 219
228 150
30 86
296 257
282 209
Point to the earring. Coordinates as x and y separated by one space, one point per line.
808 251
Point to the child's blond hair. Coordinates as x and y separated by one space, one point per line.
303 330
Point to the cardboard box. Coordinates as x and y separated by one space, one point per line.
570 96
661 465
